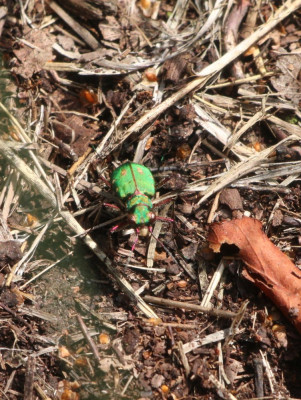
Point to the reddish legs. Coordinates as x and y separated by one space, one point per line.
164 219
108 183
138 231
121 225
112 206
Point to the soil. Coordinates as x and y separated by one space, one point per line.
101 311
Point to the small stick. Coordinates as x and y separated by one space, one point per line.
213 208
9 381
213 284
79 29
15 315
258 372
127 385
183 358
173 324
221 388
41 392
29 378
88 338
102 320
236 322
153 242
231 33
188 306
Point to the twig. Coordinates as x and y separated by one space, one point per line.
213 284
221 133
269 372
259 116
154 239
102 320
88 338
10 381
183 358
231 32
258 372
38 314
187 306
19 269
172 324
16 316
104 141
237 82
25 139
292 129
29 378
41 392
236 322
213 208
79 29
127 385
219 387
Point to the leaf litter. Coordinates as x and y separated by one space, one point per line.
267 267
207 97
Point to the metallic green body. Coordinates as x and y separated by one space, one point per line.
131 178
135 185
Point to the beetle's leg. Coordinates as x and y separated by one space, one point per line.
161 203
112 206
121 225
164 219
108 183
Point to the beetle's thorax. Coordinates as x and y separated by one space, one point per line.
137 200
140 207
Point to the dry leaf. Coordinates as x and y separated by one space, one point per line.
270 269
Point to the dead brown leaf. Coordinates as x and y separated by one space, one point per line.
270 269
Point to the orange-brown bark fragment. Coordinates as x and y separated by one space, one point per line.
270 269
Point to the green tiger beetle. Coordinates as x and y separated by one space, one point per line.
134 184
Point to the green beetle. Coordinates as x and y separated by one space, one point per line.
134 184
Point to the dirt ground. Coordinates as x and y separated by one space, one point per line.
203 302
